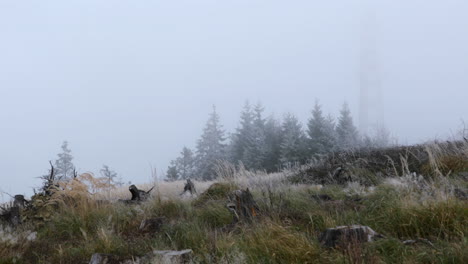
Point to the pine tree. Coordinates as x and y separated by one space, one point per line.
64 167
331 140
255 150
348 136
293 143
258 120
185 164
210 148
110 175
321 132
273 138
239 140
172 173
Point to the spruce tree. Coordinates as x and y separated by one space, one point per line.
172 174
347 133
109 174
273 138
293 149
239 140
331 140
321 132
210 148
64 167
255 148
185 164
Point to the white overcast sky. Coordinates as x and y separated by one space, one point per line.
129 83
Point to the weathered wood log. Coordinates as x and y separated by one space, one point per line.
189 187
20 201
419 240
342 236
99 258
139 195
242 205
50 184
10 215
168 257
157 256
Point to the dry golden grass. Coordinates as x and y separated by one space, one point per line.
409 206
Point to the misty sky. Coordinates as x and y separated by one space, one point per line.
129 83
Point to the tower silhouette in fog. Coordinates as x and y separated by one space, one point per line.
371 109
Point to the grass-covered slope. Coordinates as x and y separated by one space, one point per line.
400 207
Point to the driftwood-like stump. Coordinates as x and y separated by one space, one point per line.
20 201
189 187
139 195
342 236
11 215
242 205
171 257
99 258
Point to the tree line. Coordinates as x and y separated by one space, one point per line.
270 144
64 169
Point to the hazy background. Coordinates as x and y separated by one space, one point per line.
129 83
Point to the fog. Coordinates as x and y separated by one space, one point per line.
129 83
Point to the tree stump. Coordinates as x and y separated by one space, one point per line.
169 257
139 195
11 215
20 201
242 205
99 258
341 236
189 187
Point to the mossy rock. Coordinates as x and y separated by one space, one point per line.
217 191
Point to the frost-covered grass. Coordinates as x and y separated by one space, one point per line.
286 232
162 190
406 206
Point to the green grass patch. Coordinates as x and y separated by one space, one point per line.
273 243
217 191
214 214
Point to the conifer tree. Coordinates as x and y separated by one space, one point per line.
185 164
255 146
293 142
239 140
321 132
109 174
273 138
210 148
172 174
64 167
347 133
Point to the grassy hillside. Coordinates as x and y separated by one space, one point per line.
398 198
